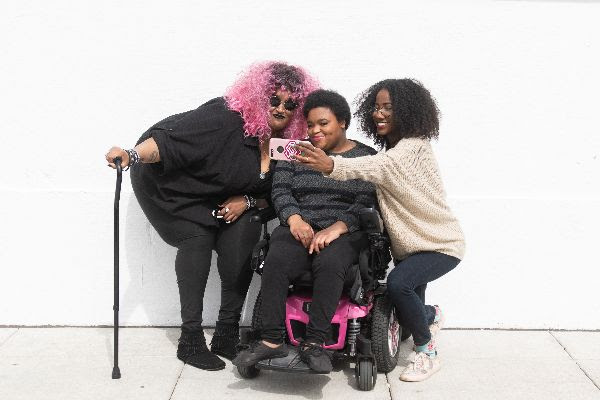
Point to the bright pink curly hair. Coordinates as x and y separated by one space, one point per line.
250 94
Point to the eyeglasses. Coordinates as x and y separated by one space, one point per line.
289 104
385 110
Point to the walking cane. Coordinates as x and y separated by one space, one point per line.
116 372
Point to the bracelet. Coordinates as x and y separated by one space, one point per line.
250 201
134 158
263 175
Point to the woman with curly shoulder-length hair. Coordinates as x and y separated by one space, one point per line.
412 109
199 176
427 241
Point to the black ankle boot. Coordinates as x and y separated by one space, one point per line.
225 340
192 350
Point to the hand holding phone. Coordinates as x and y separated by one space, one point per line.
284 149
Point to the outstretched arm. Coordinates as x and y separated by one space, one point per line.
372 169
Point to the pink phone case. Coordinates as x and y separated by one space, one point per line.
283 149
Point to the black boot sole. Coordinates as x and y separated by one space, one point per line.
223 354
204 368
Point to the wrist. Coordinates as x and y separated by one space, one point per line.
330 166
293 219
250 201
133 157
339 227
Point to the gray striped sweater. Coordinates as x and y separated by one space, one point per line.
318 200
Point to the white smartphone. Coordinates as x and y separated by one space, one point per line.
283 149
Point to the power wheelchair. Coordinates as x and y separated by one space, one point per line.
364 329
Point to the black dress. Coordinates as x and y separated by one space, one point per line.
205 159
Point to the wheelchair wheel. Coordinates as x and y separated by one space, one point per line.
248 372
366 374
385 333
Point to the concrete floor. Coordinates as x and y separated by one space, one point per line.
76 363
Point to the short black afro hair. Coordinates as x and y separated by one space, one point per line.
328 99
414 110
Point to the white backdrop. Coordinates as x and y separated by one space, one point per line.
517 83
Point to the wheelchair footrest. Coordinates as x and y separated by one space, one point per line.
291 363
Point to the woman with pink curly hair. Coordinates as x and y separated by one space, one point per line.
199 176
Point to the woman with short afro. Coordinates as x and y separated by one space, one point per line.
197 177
426 239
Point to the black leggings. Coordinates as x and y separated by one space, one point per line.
286 261
194 242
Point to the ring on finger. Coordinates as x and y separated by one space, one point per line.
226 209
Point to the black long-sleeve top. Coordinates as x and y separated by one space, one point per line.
204 159
321 201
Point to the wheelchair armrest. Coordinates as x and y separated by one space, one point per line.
265 215
370 221
374 262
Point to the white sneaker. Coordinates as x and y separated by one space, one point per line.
437 326
421 368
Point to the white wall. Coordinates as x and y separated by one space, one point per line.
517 83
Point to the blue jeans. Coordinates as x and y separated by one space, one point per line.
403 284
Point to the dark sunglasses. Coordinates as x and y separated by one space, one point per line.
289 104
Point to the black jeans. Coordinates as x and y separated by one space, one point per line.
286 261
194 242
405 286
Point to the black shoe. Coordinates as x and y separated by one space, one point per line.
258 352
192 350
316 357
225 340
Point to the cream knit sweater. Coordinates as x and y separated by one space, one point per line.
411 197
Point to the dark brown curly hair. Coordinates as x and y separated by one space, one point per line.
414 110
